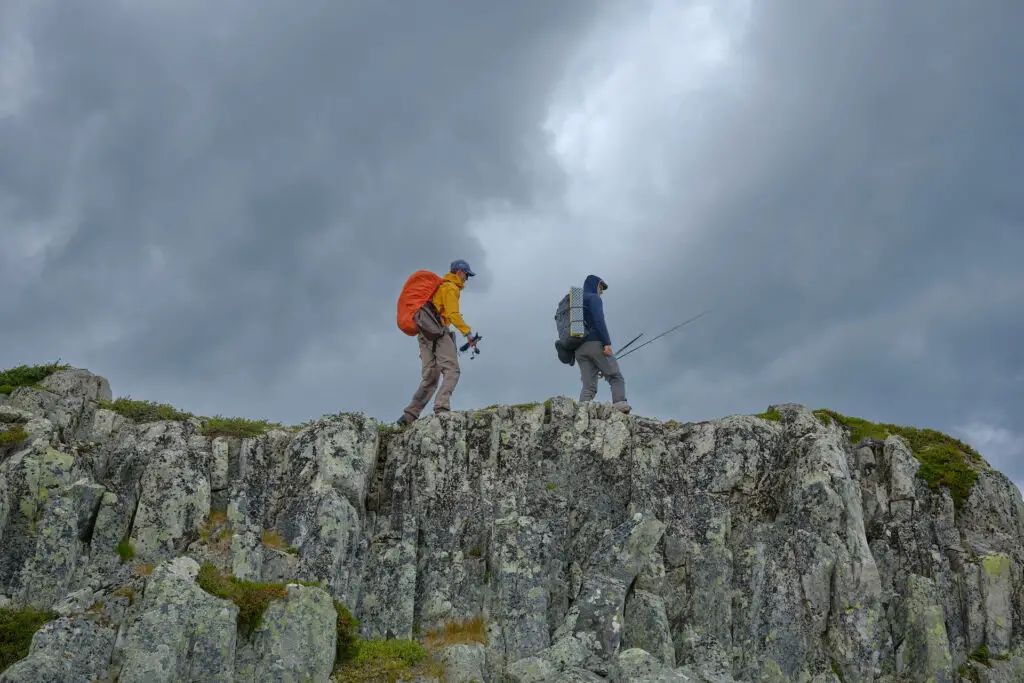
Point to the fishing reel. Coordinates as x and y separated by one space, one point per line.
472 342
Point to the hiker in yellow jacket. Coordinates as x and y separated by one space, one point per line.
441 357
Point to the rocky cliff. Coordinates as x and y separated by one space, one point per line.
577 544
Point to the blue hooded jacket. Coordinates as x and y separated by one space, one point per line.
593 313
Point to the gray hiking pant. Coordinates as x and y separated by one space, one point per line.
591 359
437 358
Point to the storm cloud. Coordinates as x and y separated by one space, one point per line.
215 205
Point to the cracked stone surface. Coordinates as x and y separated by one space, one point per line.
595 545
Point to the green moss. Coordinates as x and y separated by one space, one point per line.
126 550
13 436
945 461
969 674
27 375
347 640
252 597
388 429
238 427
388 660
550 486
126 591
17 626
773 415
145 411
981 655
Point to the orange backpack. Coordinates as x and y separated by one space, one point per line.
416 311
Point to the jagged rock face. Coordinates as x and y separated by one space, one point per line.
597 546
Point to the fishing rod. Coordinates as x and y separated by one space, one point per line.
628 344
685 322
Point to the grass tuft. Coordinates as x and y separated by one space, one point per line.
468 632
27 375
17 626
981 655
126 591
773 415
238 427
215 533
388 661
271 538
145 411
13 436
945 461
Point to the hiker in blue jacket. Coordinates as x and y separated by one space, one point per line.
594 355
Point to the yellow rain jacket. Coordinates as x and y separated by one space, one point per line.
446 300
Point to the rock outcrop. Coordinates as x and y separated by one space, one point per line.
594 545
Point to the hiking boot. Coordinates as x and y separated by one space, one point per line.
441 411
622 406
405 420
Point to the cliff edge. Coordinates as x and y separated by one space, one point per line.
547 542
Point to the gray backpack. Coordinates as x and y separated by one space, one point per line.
570 325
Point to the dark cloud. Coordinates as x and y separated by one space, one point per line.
235 195
865 255
246 177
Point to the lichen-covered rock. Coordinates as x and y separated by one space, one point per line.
174 499
29 480
388 597
12 415
997 593
530 670
66 649
295 641
771 548
463 663
61 542
999 671
79 383
645 626
924 653
182 633
635 665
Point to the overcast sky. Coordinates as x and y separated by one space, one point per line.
216 204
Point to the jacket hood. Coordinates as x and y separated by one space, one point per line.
590 284
454 279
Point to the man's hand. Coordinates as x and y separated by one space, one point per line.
607 350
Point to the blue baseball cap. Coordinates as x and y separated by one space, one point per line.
462 265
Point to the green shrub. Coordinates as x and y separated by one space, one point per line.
145 411
347 643
981 655
17 626
252 597
238 427
773 415
27 375
945 461
126 550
